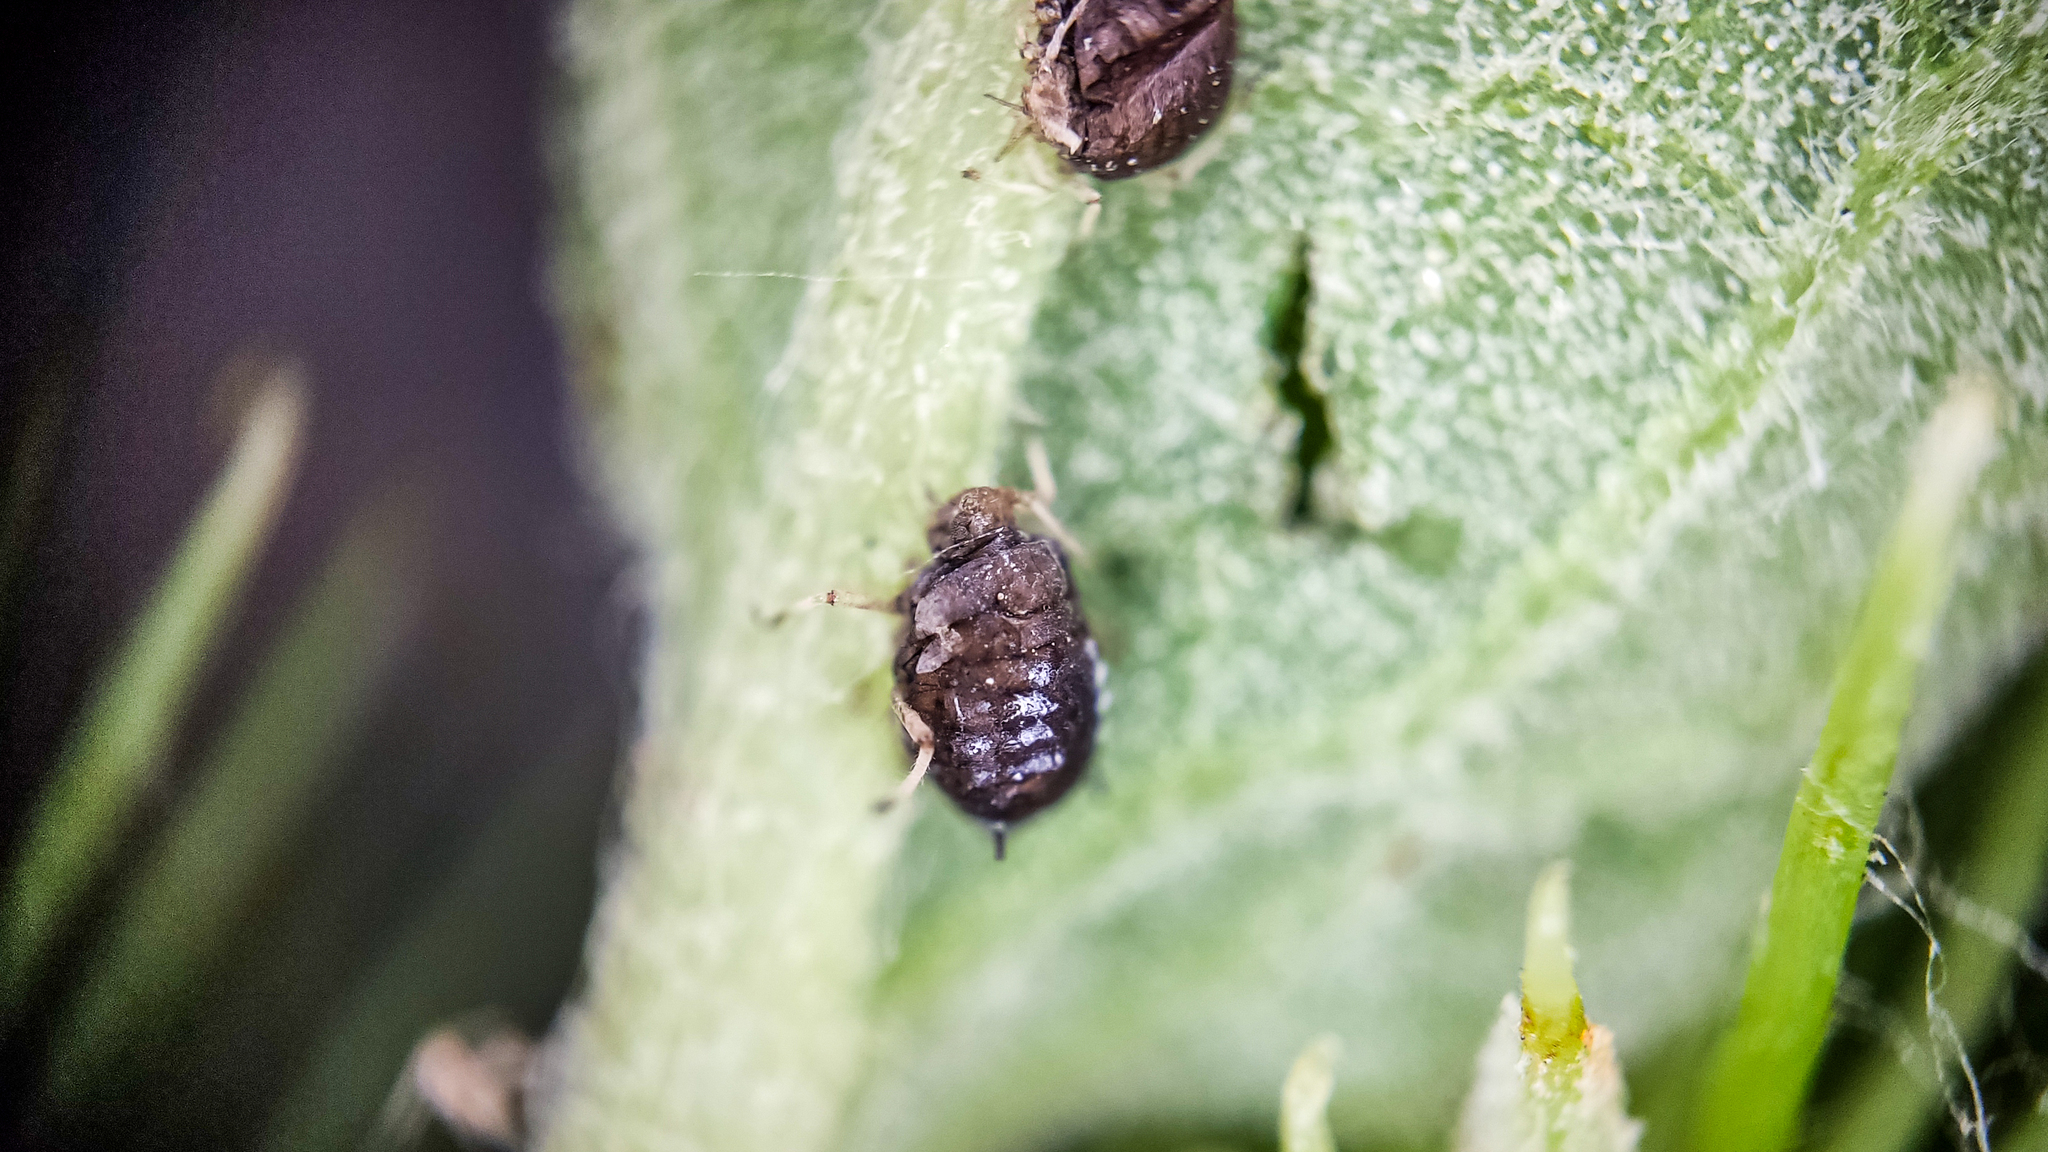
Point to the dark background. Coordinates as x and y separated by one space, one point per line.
361 188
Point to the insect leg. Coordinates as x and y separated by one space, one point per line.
1017 136
1044 491
829 598
920 735
1059 34
833 596
1043 485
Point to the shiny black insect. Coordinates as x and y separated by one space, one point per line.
996 675
1118 87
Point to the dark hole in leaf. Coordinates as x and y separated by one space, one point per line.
1287 336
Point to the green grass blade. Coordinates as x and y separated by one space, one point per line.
1888 1104
1758 1084
134 711
256 788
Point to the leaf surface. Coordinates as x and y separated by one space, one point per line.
1623 317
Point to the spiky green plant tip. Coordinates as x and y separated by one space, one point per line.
1547 1078
1553 1016
1305 1098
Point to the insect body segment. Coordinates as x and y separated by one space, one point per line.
996 665
1119 87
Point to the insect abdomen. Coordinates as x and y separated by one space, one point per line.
1014 734
997 661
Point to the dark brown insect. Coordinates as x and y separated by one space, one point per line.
1119 87
996 676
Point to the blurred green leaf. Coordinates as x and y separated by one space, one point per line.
468 951
2030 1133
231 832
1624 318
138 701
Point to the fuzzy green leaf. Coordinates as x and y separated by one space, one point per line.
1619 319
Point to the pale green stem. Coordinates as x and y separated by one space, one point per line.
1758 1083
732 967
1305 1098
114 753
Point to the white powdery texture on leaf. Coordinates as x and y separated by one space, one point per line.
1625 315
